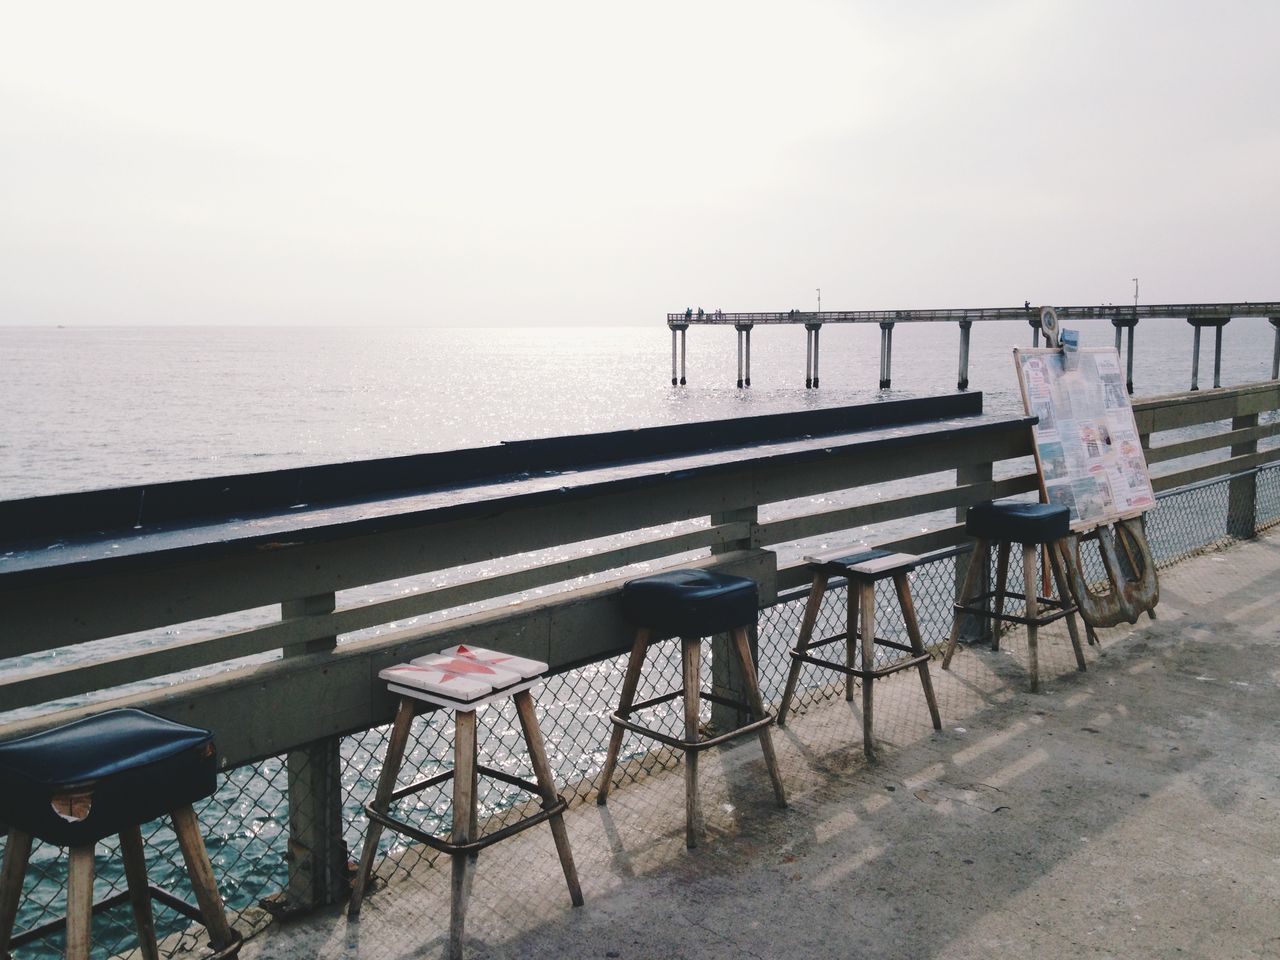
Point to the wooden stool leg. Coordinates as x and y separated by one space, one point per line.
464 799
382 799
977 560
691 657
135 872
1064 595
811 610
1029 551
868 601
1002 582
17 852
852 595
80 903
917 644
756 702
629 683
547 785
200 870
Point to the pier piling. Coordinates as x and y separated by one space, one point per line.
1126 323
1275 353
962 378
886 354
1198 323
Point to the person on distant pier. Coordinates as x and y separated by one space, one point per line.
1026 304
688 313
700 313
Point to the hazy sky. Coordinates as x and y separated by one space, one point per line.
473 163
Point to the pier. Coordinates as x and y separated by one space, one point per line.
1214 316
332 573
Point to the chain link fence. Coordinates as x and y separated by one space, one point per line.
246 823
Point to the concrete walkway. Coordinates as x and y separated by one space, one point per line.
1131 811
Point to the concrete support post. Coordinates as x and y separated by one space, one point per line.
962 378
816 331
886 354
1198 323
747 380
738 333
726 672
1217 357
684 332
1242 492
808 357
1195 361
674 376
1121 324
972 629
1034 323
1275 351
317 855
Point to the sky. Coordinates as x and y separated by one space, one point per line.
455 164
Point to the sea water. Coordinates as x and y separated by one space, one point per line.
93 407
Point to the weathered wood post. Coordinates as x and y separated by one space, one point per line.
1242 491
962 379
726 671
886 353
317 855
1126 323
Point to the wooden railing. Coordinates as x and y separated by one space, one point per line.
727 494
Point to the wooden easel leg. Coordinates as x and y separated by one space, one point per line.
382 799
200 870
17 852
464 798
691 657
852 597
80 903
1002 581
135 872
811 610
629 682
1064 596
1029 551
903 588
868 616
977 560
756 702
547 786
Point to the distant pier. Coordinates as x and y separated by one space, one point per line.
1124 318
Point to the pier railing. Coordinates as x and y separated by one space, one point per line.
299 724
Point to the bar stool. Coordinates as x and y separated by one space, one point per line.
691 604
1033 525
462 679
110 773
861 572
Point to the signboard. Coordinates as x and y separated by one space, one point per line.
1086 443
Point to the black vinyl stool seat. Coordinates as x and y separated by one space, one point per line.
691 604
1035 526
102 775
861 570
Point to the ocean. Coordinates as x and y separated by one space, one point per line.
92 407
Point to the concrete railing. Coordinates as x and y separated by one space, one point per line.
86 567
